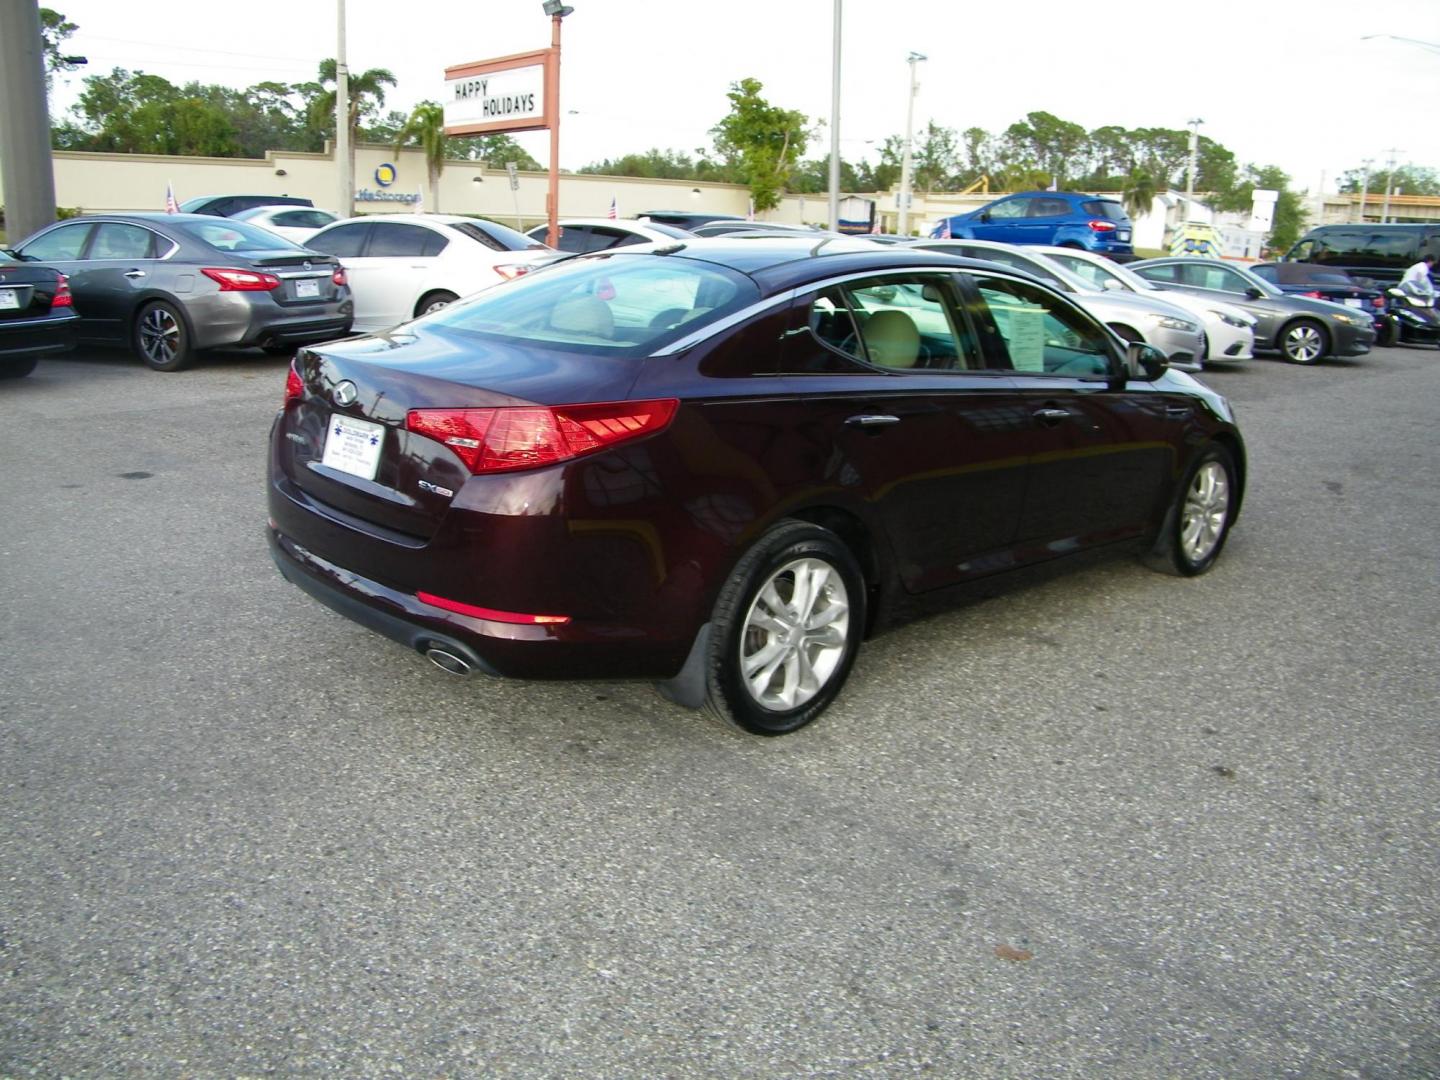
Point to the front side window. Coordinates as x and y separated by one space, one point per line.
343 241
896 322
1038 334
621 304
1010 208
66 242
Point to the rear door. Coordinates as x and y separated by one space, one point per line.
1045 215
896 411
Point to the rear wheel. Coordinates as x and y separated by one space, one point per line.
1304 342
1199 520
18 369
160 337
787 627
433 301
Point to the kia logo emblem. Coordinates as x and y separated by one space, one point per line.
345 393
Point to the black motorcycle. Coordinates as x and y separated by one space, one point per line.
1408 318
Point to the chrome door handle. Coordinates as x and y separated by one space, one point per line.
1051 416
868 420
134 273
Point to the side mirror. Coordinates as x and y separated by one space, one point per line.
1149 362
1252 293
984 215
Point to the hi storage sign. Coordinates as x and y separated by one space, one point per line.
506 94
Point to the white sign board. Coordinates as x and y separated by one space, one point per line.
498 95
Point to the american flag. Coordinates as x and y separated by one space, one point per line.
171 206
614 209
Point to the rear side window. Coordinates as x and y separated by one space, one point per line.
343 241
1049 208
390 238
66 242
1105 208
118 240
621 305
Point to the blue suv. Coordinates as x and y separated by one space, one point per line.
1056 218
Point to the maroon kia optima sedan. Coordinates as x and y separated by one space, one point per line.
717 464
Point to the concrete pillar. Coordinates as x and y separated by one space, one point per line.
25 167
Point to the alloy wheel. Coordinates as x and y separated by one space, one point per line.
1304 344
1202 519
159 336
795 634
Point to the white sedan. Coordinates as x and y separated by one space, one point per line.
579 235
404 265
297 223
1229 330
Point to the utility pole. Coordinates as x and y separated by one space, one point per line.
25 163
1191 164
1364 185
342 120
1389 182
903 226
835 126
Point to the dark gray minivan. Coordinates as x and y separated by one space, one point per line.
1381 252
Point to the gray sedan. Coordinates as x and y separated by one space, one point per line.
1167 327
169 284
1304 330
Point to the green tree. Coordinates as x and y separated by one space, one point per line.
426 129
1044 143
1139 193
494 151
146 114
763 142
54 29
1410 179
1289 220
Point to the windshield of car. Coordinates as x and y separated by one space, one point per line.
611 304
497 237
227 234
1106 208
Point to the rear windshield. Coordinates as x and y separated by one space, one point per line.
612 304
1106 208
227 234
497 237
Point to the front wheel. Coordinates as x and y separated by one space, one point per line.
160 337
1199 520
787 627
1304 342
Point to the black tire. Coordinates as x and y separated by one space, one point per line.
18 369
1305 342
1199 519
823 641
434 301
161 338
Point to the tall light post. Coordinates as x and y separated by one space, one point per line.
557 11
342 118
903 225
1364 185
835 126
25 163
1389 182
1190 165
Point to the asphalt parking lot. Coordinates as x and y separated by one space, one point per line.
1108 823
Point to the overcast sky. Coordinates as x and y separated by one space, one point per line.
1285 82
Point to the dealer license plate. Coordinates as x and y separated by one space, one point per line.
1123 235
353 446
307 287
9 300
1353 302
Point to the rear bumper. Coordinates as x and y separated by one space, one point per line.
242 319
24 338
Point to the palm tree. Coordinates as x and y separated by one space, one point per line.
366 92
426 126
1140 192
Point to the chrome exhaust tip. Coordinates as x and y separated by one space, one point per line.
447 661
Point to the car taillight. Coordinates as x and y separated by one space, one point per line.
1102 226
1313 295
1377 302
231 279
490 613
294 385
62 297
339 276
510 271
527 436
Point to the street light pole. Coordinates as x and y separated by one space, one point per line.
835 126
342 118
557 11
1389 182
25 162
1194 126
1364 185
903 226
